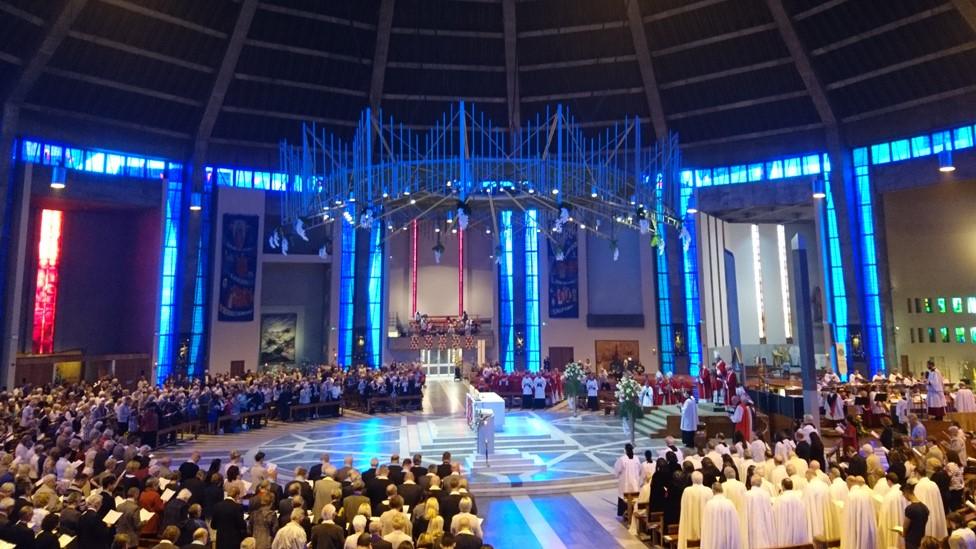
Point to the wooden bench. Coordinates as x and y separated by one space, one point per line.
395 402
181 430
316 408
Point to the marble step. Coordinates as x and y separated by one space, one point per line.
504 462
460 448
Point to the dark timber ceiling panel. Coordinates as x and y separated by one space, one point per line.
724 74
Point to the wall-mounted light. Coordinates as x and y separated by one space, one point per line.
818 189
692 204
945 161
196 202
59 176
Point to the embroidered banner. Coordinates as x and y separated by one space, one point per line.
564 276
238 268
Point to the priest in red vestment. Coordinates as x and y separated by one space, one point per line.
742 417
705 384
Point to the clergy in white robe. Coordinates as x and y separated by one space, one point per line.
891 513
689 421
693 502
758 449
965 401
735 491
962 538
859 529
820 517
791 517
761 533
935 391
928 493
627 469
720 523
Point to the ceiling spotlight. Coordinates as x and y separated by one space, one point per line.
945 161
196 202
453 231
583 226
692 204
487 231
406 193
58 177
594 195
449 183
412 201
555 191
386 195
531 191
437 229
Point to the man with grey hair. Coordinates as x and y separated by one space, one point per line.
376 488
324 488
292 535
201 538
327 534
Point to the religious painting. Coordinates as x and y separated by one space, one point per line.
612 354
238 268
564 274
278 334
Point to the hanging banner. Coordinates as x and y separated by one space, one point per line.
238 268
564 276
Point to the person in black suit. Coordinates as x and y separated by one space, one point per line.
196 486
376 489
92 532
304 488
189 469
315 471
376 536
21 535
327 534
48 538
108 500
417 468
228 520
395 470
444 469
410 491
370 474
465 538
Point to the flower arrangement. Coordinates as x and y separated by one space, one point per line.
574 378
627 392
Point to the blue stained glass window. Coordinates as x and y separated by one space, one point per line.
242 179
135 166
703 178
155 168
94 161
921 146
533 352
114 163
720 176
262 180
755 172
900 150
74 158
811 164
739 174
225 177
30 151
792 167
774 169
374 296
506 291
880 153
962 138
941 141
869 268
52 155
279 182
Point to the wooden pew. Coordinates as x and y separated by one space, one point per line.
316 408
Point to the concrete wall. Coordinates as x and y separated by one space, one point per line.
235 340
300 288
605 287
931 235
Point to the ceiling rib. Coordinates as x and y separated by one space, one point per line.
735 71
215 99
104 120
802 61
752 135
304 14
877 31
629 58
513 98
911 103
714 39
964 47
105 42
165 17
299 85
582 94
381 53
21 14
307 51
818 9
651 92
113 84
738 104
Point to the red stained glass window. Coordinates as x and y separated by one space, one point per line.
46 291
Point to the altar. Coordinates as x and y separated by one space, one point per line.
491 401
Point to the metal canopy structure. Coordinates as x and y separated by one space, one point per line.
465 169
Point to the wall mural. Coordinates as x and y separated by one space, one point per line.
238 268
612 354
564 275
278 335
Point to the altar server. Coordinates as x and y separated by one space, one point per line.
527 389
540 391
693 502
628 472
965 401
689 421
935 386
720 522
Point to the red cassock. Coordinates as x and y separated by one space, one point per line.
658 391
731 383
705 384
743 421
